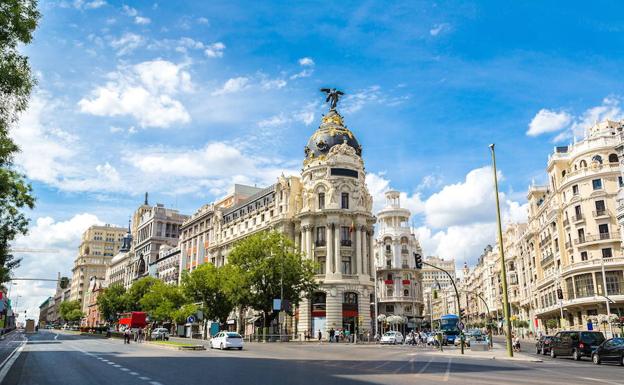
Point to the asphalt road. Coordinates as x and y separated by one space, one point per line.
51 358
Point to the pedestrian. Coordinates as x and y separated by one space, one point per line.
127 336
332 332
320 336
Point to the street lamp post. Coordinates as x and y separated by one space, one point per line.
502 258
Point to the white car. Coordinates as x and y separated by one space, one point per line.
160 334
392 338
227 340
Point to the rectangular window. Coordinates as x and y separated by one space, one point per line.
584 285
620 182
320 265
345 236
581 235
606 253
604 231
344 203
346 265
597 184
575 190
321 200
320 236
600 208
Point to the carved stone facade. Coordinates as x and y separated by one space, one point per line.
399 283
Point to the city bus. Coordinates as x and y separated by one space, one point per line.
449 328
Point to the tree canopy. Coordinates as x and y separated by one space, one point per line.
207 285
270 263
18 20
112 301
71 311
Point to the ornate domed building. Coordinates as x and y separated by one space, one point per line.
334 226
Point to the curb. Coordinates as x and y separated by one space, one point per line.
174 347
522 359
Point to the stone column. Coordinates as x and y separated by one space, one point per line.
298 238
364 311
334 310
371 240
365 255
329 247
303 241
304 317
337 258
310 240
358 251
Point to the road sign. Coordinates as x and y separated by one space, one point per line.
190 319
460 325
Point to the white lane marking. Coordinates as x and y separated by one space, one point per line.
155 383
599 380
124 369
10 360
425 367
144 378
133 373
382 364
116 366
448 370
56 336
110 363
410 361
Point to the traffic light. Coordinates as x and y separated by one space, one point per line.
64 282
559 293
462 313
418 260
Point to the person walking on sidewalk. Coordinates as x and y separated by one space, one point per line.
320 336
127 336
332 332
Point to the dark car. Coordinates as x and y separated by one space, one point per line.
542 346
610 350
577 344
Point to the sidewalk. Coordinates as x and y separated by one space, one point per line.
498 352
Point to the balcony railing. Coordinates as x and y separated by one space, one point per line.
568 245
600 213
566 222
547 259
578 217
595 238
593 264
345 242
319 243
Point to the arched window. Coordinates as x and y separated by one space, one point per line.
613 158
597 159
350 298
321 200
406 293
583 164
563 173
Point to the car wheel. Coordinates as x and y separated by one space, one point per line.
595 359
241 348
622 360
537 350
552 354
221 347
576 356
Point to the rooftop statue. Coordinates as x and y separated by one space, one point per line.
332 96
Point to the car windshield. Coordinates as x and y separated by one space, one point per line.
390 334
233 335
592 338
618 341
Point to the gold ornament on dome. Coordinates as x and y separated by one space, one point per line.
333 118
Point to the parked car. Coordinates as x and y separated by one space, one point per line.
577 344
610 350
392 337
542 345
227 340
469 336
160 334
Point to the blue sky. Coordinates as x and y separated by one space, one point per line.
182 99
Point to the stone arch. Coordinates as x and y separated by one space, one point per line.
613 158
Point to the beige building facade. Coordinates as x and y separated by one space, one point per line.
98 246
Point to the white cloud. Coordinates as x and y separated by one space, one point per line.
129 11
203 20
306 61
145 92
232 85
302 74
81 4
548 121
609 109
269 84
47 233
141 20
439 28
127 43
215 49
274 121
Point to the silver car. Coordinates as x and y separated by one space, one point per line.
160 334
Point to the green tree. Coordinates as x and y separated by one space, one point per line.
18 20
206 287
270 263
181 314
136 292
112 301
161 301
70 311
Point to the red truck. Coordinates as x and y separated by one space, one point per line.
134 319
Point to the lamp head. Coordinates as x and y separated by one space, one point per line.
491 146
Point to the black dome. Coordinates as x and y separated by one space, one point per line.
330 133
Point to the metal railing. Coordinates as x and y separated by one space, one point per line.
600 213
578 217
595 238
